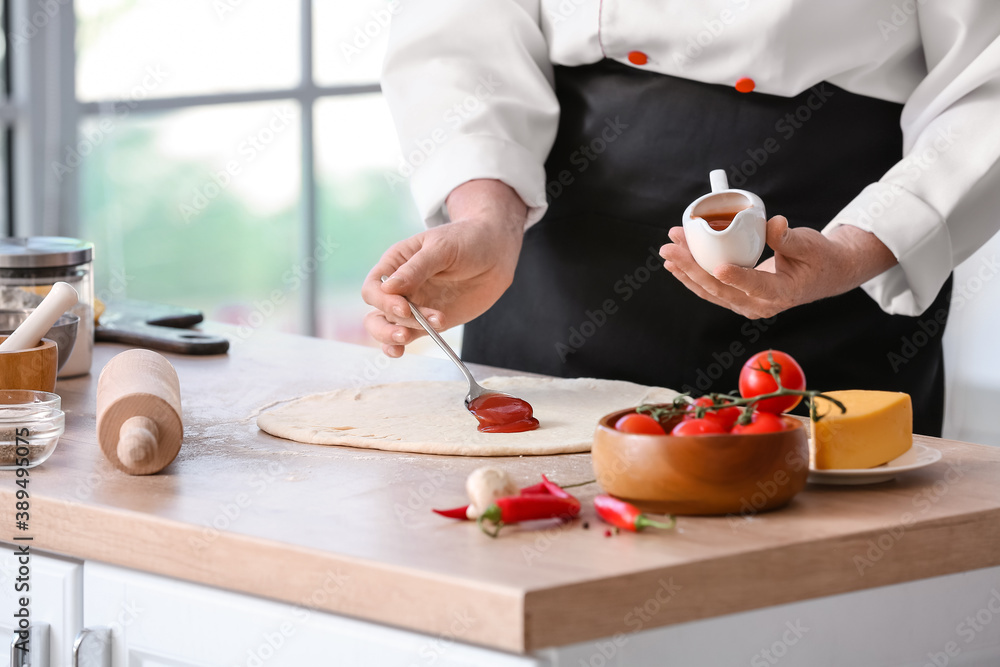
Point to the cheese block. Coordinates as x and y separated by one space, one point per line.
877 427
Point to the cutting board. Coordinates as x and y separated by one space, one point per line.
157 327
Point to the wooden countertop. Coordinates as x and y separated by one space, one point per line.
350 530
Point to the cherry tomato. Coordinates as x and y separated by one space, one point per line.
726 417
698 427
633 422
754 382
761 422
704 402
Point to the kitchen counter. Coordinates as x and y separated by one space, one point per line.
248 512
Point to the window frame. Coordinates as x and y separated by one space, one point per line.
43 73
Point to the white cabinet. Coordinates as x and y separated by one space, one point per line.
948 621
161 622
55 598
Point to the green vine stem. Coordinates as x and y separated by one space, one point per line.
680 405
571 486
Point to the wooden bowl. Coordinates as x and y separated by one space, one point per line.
707 474
30 369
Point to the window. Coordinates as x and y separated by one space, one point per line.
232 157
7 115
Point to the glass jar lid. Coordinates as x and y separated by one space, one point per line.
44 251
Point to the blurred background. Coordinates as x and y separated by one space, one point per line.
236 156
157 198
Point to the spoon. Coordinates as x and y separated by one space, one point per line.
475 390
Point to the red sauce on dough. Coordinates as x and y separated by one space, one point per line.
502 414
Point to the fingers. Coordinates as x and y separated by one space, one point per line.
390 297
682 265
680 255
393 351
391 335
428 261
777 229
392 324
692 285
785 240
372 291
752 282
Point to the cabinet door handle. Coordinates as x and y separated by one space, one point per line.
92 648
30 648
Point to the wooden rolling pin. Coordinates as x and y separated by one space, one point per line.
139 422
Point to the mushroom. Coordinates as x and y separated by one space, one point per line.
484 486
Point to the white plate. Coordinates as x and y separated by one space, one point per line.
917 456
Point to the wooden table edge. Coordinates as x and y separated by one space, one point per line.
296 575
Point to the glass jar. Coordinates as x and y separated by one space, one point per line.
28 269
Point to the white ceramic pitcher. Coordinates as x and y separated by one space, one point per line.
717 237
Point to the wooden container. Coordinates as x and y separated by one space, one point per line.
139 423
706 474
30 369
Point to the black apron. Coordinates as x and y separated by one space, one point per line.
590 296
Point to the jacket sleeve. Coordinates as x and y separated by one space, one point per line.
942 201
470 88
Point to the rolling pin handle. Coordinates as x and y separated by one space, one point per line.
139 423
137 441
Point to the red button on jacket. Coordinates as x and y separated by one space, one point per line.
745 85
638 58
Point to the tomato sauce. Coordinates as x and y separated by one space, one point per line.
503 414
720 221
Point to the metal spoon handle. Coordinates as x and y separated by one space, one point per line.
436 337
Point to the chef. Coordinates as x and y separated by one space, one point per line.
555 144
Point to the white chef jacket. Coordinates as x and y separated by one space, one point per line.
470 86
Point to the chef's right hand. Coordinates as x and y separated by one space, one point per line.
453 272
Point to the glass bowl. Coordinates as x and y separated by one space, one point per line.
30 425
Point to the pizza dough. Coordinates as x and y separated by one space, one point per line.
429 417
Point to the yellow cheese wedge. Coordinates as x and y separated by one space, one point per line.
877 427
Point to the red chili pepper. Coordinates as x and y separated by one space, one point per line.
554 489
626 515
515 509
455 513
544 487
461 512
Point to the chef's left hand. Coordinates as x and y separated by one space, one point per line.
806 266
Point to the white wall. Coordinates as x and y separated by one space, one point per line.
972 350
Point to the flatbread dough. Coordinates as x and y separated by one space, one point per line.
429 418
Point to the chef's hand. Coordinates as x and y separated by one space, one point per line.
806 266
453 272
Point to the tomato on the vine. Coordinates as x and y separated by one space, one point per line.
726 417
761 422
698 427
756 379
634 422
